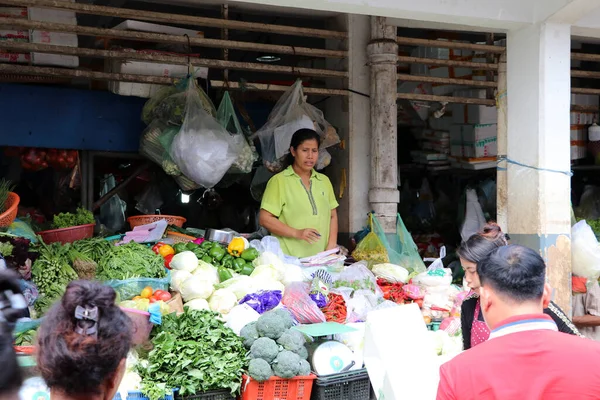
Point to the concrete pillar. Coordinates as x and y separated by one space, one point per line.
383 57
350 167
538 148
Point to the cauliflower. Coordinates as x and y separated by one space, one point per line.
259 370
286 316
303 353
264 348
304 368
292 340
249 334
286 364
271 325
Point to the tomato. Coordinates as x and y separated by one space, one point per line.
146 292
162 295
153 299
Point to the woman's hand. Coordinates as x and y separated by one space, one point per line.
309 235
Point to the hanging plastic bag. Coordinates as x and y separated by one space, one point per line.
400 246
300 305
203 150
589 205
228 120
112 213
149 200
290 114
324 160
371 248
585 252
474 218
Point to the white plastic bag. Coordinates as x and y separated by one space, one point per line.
290 114
203 150
474 218
585 251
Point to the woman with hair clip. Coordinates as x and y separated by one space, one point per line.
83 344
299 206
472 251
12 307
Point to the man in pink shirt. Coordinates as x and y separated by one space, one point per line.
526 358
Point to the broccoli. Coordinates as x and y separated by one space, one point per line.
264 348
286 316
271 325
303 353
304 368
249 334
260 370
292 340
287 364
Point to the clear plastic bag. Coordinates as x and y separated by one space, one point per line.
228 119
112 213
400 246
300 305
203 150
585 251
129 288
589 206
291 113
358 277
474 218
149 200
371 248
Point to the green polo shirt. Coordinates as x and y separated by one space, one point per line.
286 198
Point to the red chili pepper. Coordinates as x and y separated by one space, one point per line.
157 246
168 261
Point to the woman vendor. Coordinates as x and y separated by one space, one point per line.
299 206
477 247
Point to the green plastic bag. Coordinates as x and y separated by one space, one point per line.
400 246
371 248
227 117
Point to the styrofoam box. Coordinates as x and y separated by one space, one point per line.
441 124
474 141
473 113
145 68
579 133
13 12
578 152
588 100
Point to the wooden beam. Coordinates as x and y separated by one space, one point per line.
16 23
158 80
446 99
446 81
586 91
575 73
446 44
179 60
447 63
178 19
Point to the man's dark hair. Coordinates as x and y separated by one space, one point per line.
517 272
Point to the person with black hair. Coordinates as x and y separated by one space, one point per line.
299 206
474 329
526 356
12 307
83 343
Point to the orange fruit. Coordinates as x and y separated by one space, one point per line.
147 292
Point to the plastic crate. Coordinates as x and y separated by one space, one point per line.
210 395
298 388
135 395
353 385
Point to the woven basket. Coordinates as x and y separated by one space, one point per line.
148 219
12 206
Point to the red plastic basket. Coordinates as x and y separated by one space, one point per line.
68 235
148 219
12 207
298 388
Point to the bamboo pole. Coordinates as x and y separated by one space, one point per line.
447 63
158 80
169 59
585 57
575 73
446 81
446 99
16 23
179 19
586 91
446 44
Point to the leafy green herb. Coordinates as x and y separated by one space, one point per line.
26 338
6 249
358 284
66 220
131 260
195 353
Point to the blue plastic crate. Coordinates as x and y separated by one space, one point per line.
136 395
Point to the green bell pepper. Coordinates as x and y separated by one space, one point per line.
250 254
191 246
207 245
179 247
227 261
207 259
224 274
199 253
217 252
238 264
247 269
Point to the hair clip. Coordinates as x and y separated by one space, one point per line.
83 314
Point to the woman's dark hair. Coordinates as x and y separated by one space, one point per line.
481 244
11 376
299 137
71 357
515 271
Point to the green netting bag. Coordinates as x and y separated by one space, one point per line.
371 248
400 246
228 119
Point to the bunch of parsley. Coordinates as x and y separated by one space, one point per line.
194 353
66 220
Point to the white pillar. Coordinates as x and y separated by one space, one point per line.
383 57
538 148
